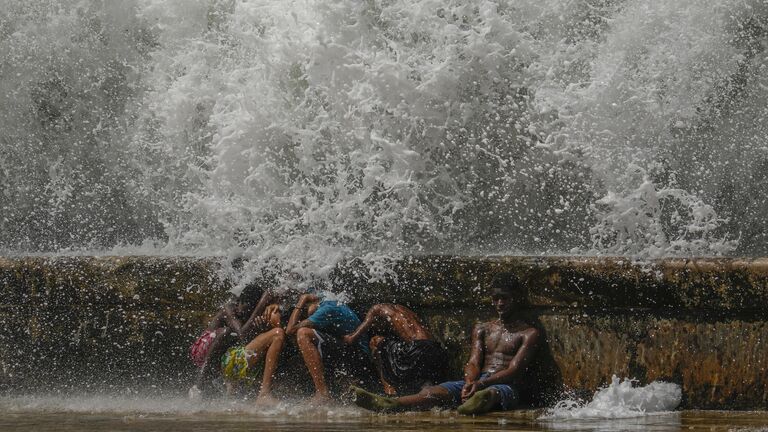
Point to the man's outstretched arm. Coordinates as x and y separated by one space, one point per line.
373 314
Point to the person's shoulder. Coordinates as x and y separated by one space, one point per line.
486 325
529 329
530 332
388 307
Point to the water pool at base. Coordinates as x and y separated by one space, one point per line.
120 414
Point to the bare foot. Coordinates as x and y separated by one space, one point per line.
266 400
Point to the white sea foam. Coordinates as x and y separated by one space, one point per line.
307 132
621 399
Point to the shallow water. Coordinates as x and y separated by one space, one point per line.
323 421
123 414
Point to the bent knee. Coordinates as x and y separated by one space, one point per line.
305 333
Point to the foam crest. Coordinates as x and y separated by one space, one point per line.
621 399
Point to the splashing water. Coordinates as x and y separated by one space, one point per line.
307 132
169 404
621 399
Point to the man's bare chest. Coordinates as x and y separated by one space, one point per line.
502 341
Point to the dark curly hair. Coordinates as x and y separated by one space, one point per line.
251 295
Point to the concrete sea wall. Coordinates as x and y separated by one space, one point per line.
124 324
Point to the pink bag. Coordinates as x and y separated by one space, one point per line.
200 347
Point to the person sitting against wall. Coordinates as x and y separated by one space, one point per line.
246 364
501 351
238 321
319 324
405 355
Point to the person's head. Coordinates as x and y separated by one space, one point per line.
249 298
508 293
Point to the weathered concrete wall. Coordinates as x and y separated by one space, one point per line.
117 323
112 323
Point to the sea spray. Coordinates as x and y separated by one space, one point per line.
306 133
621 399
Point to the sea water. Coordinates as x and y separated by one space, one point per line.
175 413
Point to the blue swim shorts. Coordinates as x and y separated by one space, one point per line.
509 395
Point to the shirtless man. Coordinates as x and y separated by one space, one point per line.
501 352
408 360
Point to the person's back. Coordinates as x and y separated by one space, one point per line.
409 360
404 322
336 319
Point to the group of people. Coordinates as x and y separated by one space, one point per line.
244 341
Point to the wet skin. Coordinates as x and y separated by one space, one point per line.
391 318
233 323
307 341
502 348
503 338
388 318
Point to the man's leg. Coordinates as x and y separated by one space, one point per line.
428 397
266 346
307 340
377 363
270 365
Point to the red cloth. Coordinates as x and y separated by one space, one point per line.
200 347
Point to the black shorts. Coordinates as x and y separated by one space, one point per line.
342 359
411 365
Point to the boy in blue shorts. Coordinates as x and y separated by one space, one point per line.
501 351
319 339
